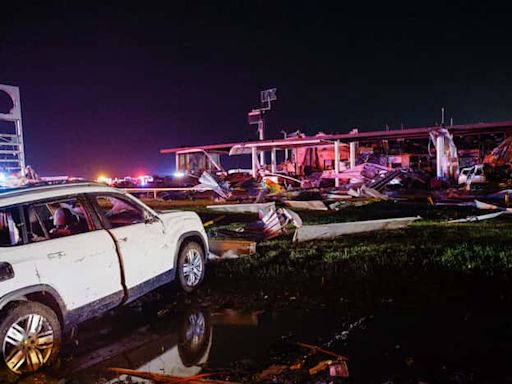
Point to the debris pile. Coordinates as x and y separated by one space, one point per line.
278 199
315 364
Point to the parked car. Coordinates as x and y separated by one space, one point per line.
72 251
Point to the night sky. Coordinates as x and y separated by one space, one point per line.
106 85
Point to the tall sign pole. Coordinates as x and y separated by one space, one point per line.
256 116
12 153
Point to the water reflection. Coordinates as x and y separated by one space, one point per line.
438 344
176 344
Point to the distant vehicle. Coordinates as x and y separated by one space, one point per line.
72 251
474 174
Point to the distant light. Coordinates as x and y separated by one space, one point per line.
2 177
104 179
179 174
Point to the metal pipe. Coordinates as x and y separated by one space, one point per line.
273 160
440 156
336 162
353 148
261 128
254 157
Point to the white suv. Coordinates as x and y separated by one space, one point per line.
72 251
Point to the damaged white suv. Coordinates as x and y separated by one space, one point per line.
72 251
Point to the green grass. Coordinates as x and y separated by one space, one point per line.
482 247
431 252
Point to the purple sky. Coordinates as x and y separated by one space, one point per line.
105 85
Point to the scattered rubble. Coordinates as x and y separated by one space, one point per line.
472 219
330 231
244 208
316 205
166 379
208 181
225 248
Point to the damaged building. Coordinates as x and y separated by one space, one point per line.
441 151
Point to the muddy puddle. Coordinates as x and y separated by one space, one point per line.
389 344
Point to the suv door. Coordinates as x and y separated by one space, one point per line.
73 254
146 255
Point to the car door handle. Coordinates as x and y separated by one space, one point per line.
56 255
123 239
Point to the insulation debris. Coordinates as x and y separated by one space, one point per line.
208 181
225 248
330 231
243 208
472 219
316 205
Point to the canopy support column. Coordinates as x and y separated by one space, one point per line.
336 162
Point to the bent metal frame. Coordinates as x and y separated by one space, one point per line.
12 152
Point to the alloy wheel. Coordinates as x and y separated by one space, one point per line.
193 267
28 344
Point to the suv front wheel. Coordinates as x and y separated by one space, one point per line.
30 337
191 266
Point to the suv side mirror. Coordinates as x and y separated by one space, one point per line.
150 219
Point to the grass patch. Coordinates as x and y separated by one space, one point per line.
429 253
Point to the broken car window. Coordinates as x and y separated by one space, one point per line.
120 212
57 219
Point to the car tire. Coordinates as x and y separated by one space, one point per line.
30 337
191 266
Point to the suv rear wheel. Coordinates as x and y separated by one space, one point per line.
191 266
30 337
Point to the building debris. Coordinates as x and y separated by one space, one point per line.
500 194
274 223
339 369
202 378
482 205
225 248
330 231
208 181
447 159
473 219
321 366
362 174
315 349
271 372
243 208
293 217
316 205
213 221
501 155
365 191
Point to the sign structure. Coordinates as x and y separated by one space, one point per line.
12 153
268 95
254 117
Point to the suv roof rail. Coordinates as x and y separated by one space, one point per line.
49 183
